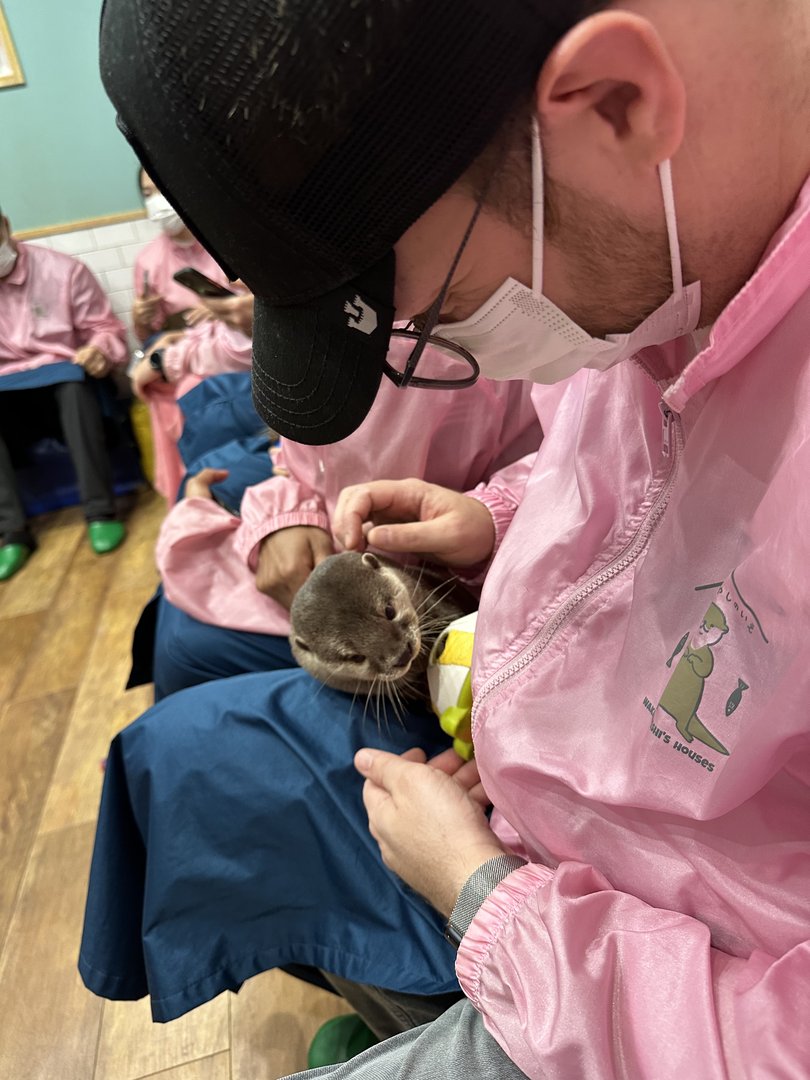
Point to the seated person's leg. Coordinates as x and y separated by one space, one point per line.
80 417
16 541
389 1012
188 652
232 838
457 1046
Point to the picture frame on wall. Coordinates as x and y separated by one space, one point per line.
11 73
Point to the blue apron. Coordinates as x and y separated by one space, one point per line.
217 410
232 839
47 375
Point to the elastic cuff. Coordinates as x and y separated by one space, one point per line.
252 537
493 916
475 890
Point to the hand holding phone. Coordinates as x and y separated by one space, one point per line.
200 284
145 308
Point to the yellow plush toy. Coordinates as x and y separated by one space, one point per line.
449 682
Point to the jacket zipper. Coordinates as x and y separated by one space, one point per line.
672 444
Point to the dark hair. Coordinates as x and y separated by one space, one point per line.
141 174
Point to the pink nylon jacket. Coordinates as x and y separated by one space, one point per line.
159 260
206 349
51 306
642 710
207 557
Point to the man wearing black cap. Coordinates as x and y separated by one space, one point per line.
636 903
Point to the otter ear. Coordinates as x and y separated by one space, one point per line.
302 645
371 560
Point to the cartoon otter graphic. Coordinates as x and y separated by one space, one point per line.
684 690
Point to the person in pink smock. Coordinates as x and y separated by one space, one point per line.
613 198
58 336
185 337
228 581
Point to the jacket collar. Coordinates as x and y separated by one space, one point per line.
776 286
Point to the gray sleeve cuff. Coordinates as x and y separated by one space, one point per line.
475 891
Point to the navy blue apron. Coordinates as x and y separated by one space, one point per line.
232 839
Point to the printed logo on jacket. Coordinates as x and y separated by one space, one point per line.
680 720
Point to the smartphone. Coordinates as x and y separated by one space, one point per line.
200 284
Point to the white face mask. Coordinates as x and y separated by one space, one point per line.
8 258
520 334
160 210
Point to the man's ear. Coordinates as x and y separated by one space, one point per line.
612 82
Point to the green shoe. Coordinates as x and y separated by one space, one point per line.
13 557
105 536
338 1040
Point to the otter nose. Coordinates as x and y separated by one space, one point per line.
405 656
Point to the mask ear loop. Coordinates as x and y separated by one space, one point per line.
665 175
538 209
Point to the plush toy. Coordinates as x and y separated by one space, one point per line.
449 682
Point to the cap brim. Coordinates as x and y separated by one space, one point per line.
317 366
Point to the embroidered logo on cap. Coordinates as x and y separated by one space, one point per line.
360 317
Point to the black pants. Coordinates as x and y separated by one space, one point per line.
71 410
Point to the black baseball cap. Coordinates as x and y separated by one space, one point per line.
299 139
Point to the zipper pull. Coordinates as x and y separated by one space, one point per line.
668 417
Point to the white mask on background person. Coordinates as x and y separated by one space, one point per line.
161 211
520 334
8 258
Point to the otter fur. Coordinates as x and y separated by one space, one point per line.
366 625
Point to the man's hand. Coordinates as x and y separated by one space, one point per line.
235 311
431 831
441 525
199 486
93 360
287 558
145 309
196 315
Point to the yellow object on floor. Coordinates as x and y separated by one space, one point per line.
142 429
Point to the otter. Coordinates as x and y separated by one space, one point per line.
366 625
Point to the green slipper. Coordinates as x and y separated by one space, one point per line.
338 1040
13 557
105 536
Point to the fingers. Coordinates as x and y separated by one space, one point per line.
382 768
197 315
417 537
359 504
447 762
199 486
212 476
416 753
287 558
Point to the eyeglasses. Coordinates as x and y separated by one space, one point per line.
446 350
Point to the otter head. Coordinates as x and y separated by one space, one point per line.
353 622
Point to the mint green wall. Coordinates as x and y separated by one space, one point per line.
62 158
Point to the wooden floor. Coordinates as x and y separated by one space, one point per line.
66 622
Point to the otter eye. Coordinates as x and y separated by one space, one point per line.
390 612
354 658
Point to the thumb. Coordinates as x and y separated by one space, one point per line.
415 536
212 476
383 768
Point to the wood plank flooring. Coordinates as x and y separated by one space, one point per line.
66 623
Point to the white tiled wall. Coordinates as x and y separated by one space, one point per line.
110 253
